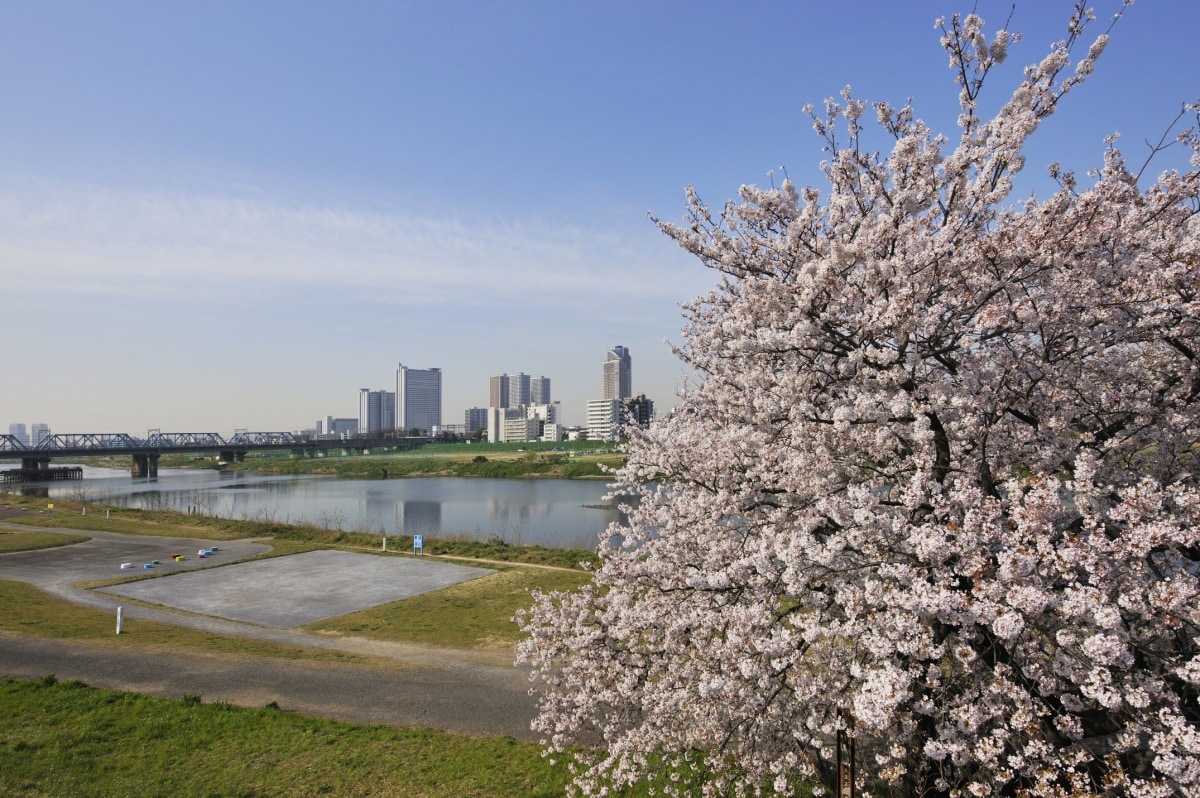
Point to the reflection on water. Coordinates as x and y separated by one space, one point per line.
551 512
419 517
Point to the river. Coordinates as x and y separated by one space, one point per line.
550 512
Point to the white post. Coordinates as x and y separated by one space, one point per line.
385 542
120 615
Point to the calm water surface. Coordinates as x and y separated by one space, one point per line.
550 512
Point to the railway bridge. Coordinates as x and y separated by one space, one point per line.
145 452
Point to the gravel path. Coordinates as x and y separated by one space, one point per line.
411 685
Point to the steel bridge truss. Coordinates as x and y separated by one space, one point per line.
182 440
87 440
102 442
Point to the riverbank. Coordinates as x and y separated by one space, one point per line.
566 460
69 514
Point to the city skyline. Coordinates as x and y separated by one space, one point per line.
233 216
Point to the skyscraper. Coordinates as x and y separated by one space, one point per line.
376 410
18 432
618 374
475 418
418 399
498 391
539 391
518 390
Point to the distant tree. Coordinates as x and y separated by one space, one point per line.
936 487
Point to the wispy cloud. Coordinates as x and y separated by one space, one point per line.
80 238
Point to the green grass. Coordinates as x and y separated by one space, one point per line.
476 614
68 514
28 541
67 740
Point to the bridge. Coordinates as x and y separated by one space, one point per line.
145 452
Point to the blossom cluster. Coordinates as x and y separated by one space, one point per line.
937 486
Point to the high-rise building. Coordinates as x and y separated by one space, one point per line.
518 390
618 374
497 420
539 391
18 432
376 410
475 418
40 433
498 391
337 427
604 419
639 410
418 399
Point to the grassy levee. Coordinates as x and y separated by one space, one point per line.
63 740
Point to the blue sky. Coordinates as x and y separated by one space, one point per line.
229 215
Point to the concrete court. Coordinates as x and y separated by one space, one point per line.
283 592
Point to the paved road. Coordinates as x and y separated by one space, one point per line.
459 697
472 692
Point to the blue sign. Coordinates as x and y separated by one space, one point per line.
418 544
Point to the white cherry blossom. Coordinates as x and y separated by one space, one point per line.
936 485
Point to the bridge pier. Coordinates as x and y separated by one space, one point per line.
144 465
227 456
35 463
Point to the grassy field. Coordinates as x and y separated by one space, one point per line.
64 740
476 614
27 541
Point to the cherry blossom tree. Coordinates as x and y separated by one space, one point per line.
935 488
